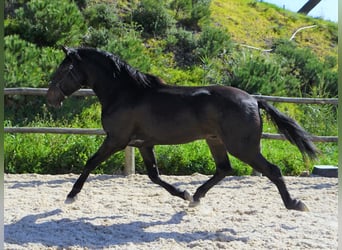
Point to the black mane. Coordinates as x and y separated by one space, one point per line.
118 67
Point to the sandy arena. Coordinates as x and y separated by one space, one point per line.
116 212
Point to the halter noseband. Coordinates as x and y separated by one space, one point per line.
73 75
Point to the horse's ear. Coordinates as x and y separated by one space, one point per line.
72 53
65 49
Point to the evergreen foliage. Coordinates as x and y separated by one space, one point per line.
48 23
154 17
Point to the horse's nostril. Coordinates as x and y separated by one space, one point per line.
54 97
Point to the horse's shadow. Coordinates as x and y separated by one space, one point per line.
62 232
12 184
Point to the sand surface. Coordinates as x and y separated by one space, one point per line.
116 212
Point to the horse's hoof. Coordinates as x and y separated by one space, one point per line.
69 200
194 203
188 196
299 206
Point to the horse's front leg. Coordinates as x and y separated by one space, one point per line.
108 147
148 156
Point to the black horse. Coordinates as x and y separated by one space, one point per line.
140 110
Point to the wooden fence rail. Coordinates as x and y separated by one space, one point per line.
129 152
89 92
89 131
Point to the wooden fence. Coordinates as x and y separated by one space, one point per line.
129 152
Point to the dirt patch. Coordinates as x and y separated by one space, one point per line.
116 212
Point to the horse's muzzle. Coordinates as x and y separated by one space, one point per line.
55 97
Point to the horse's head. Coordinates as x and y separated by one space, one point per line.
67 79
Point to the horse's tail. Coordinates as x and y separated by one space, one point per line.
291 129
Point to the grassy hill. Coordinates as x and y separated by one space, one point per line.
258 24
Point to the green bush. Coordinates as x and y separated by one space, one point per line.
190 49
51 154
183 44
200 9
154 17
26 65
102 21
330 83
256 75
185 159
195 12
182 8
314 114
21 59
48 22
101 16
128 45
61 154
96 38
305 66
212 42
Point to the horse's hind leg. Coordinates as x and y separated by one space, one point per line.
107 148
223 168
274 174
148 156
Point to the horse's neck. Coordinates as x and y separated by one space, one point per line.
104 92
101 80
107 85
110 91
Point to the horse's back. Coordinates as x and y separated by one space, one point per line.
209 105
213 108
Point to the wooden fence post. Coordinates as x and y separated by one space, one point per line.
129 161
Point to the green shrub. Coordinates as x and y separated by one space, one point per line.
315 114
21 60
304 65
61 154
212 42
329 84
154 17
129 46
200 10
26 65
194 13
48 22
183 44
185 159
256 74
51 154
101 15
182 8
96 38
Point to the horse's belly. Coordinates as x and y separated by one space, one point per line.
167 135
181 124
